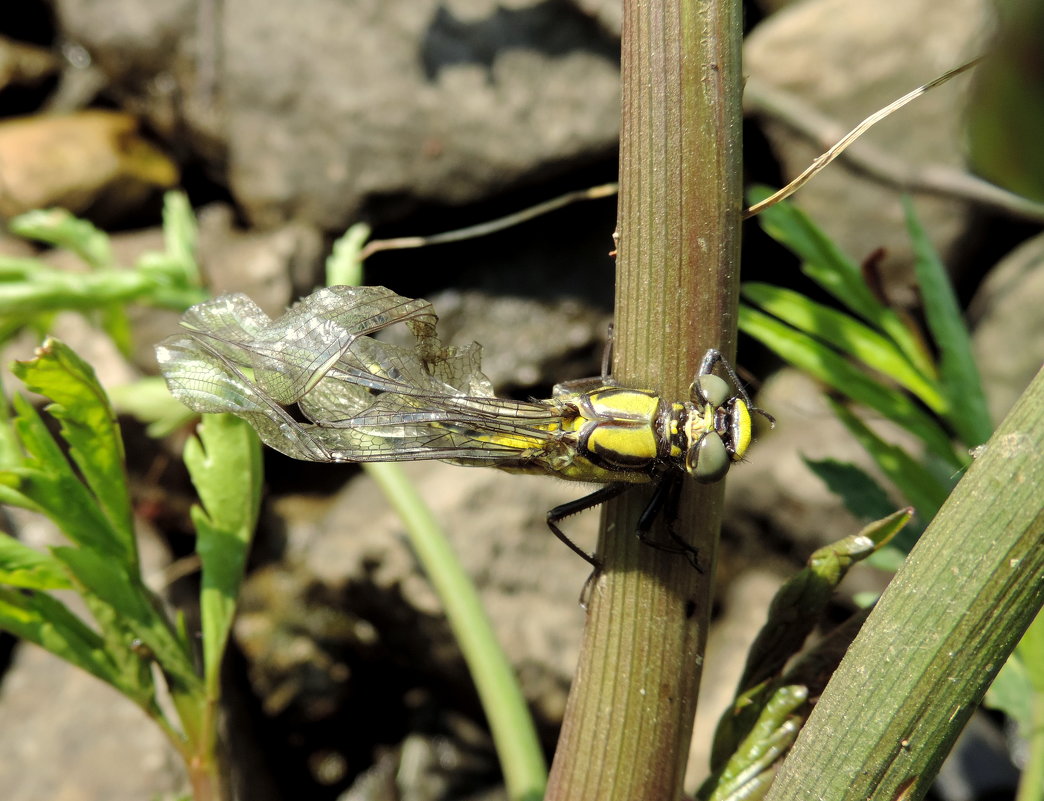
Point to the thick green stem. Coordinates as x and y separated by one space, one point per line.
629 717
941 631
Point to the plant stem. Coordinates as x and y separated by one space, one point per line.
513 733
941 631
630 712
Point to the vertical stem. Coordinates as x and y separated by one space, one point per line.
629 717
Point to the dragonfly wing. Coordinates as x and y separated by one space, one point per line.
363 399
288 355
210 385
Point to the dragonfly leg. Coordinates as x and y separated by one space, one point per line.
665 500
712 358
562 511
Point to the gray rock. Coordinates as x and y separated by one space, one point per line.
1009 331
848 59
321 111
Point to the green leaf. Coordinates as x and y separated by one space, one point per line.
840 276
918 485
181 234
57 290
749 771
89 426
46 483
968 414
10 449
40 619
1031 649
343 265
865 499
60 228
116 324
846 334
860 493
825 364
133 609
25 567
226 469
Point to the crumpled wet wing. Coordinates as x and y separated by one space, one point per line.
288 355
210 386
364 400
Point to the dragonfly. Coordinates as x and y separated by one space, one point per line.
317 385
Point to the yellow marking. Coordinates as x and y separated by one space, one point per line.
622 443
618 403
743 430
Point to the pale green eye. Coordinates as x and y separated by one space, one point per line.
710 389
708 460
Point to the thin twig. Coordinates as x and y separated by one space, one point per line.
483 229
806 120
761 98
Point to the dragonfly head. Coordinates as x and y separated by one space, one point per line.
718 428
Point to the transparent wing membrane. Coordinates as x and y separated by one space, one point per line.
362 399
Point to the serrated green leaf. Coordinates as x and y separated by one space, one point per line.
28 568
824 263
46 483
181 234
40 619
56 290
967 412
89 426
916 483
10 450
848 335
226 469
133 609
60 228
825 364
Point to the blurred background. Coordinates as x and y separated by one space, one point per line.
286 123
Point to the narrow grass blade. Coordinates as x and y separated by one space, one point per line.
918 485
840 276
825 364
848 335
968 414
518 747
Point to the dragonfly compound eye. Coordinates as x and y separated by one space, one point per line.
708 460
710 389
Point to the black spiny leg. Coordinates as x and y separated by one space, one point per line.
556 515
665 500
